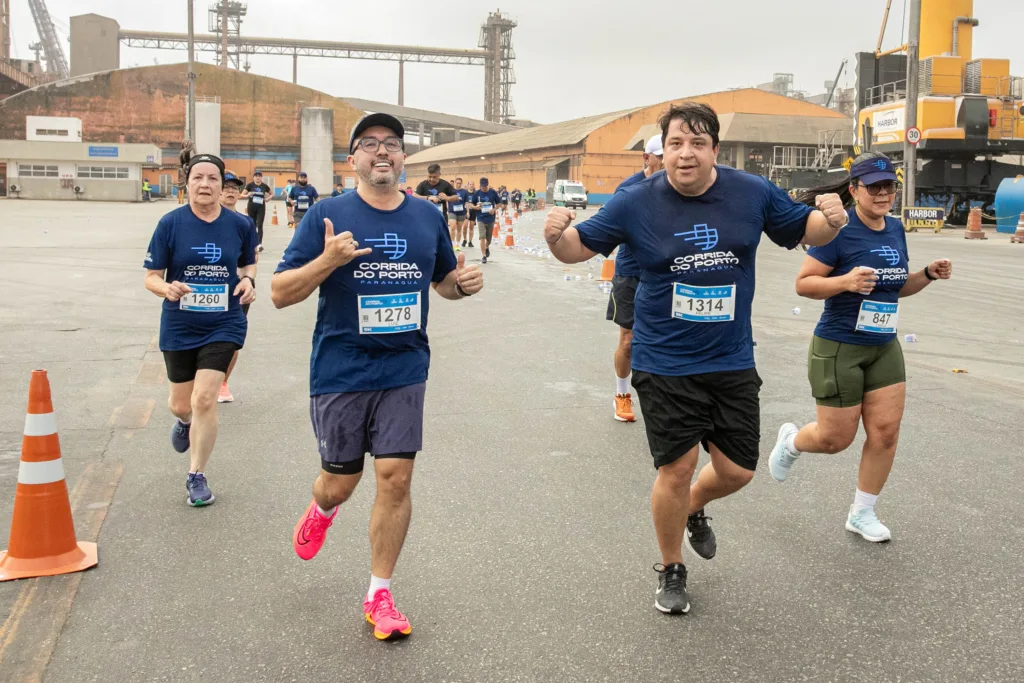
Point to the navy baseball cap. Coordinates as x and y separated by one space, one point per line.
231 179
303 175
377 119
875 170
483 181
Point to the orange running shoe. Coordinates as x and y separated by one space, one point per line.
387 621
624 408
224 395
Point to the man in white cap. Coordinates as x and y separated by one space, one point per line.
624 284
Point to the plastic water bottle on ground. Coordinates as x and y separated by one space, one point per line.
912 338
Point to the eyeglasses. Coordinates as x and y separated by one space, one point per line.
371 145
875 189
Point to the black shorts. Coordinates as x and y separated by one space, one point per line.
620 301
182 365
721 408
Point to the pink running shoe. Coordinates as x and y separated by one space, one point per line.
310 532
224 395
387 621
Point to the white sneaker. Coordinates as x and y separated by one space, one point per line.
782 458
867 525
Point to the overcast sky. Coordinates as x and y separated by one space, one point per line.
573 58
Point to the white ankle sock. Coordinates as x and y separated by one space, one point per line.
621 386
376 583
326 513
185 423
790 444
863 500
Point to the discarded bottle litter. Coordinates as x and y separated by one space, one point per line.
796 311
910 338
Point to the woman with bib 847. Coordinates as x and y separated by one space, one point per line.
202 262
855 363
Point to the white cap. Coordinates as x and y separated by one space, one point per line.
654 146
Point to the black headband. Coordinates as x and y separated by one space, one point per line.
205 159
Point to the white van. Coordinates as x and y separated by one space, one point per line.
570 193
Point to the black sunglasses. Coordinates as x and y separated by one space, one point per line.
875 189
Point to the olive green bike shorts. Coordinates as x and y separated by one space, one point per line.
840 374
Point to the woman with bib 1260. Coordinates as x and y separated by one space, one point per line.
855 363
202 262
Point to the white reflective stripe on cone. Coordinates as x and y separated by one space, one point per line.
45 472
40 425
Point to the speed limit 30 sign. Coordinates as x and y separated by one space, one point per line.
913 135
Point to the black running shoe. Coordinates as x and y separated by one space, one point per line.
671 597
699 536
483 260
471 243
488 254
463 242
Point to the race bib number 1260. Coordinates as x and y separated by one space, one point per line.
205 299
389 314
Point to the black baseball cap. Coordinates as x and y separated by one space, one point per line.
257 173
377 119
483 181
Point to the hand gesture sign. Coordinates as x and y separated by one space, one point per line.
941 269
557 222
470 279
835 213
339 250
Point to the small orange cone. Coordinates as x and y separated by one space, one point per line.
1018 237
510 240
497 232
273 221
42 539
607 270
974 231
508 219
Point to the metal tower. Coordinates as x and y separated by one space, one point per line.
226 22
56 61
496 40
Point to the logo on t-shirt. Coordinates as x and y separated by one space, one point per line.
704 237
391 244
889 254
209 251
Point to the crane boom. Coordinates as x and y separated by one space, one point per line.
56 61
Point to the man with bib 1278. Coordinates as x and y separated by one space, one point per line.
374 254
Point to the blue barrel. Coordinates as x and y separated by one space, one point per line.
1009 203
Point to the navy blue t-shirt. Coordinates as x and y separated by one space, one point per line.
488 201
304 197
207 257
411 249
625 264
682 243
858 245
459 208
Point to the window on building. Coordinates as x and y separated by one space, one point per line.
37 171
794 157
103 172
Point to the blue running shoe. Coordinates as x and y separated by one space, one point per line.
865 523
199 492
179 436
782 458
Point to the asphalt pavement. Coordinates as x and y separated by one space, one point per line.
531 548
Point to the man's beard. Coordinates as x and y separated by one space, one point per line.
377 180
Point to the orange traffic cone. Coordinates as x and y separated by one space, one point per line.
497 232
1018 236
508 219
974 231
273 220
42 539
510 240
607 270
